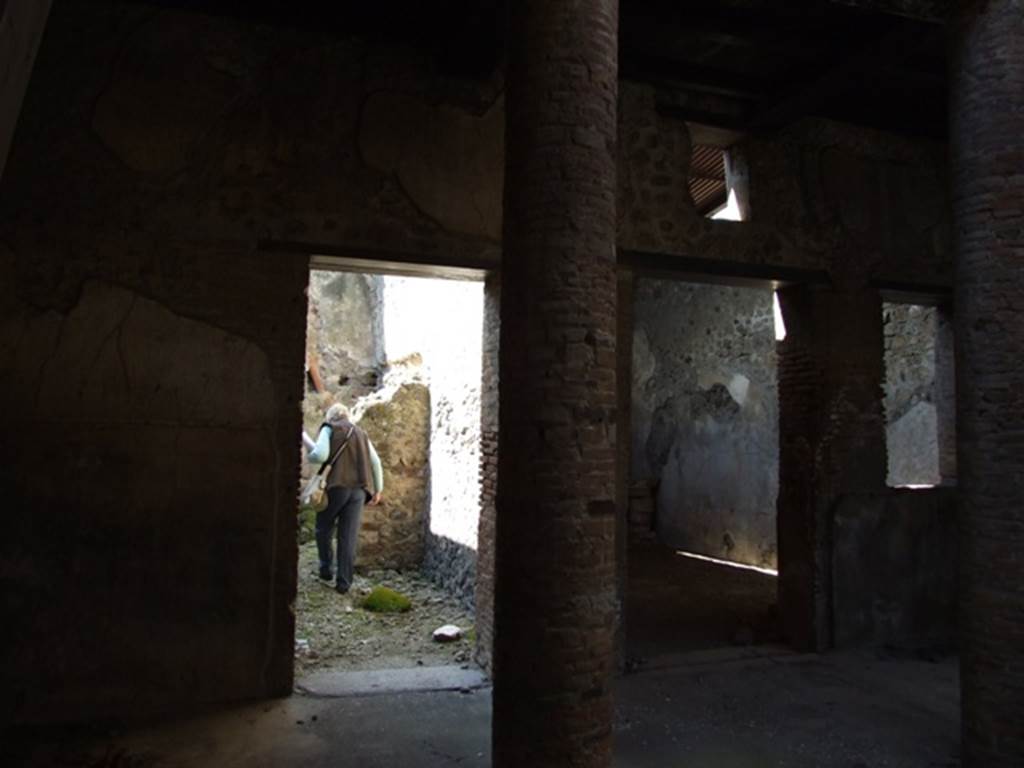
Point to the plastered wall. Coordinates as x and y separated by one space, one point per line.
151 350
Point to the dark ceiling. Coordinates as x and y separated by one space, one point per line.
743 65
757 66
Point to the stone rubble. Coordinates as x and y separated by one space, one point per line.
333 631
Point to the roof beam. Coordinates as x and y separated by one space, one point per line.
923 10
893 47
634 65
732 122
676 28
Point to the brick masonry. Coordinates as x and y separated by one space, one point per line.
945 392
555 589
987 143
831 440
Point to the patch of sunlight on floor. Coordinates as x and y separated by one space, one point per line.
742 566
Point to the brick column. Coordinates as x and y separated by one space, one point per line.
945 393
623 449
555 530
987 142
831 441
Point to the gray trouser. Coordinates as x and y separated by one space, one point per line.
344 507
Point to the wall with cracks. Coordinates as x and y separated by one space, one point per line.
152 334
151 344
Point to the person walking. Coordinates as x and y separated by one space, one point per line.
355 479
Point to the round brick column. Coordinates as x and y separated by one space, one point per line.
555 603
987 140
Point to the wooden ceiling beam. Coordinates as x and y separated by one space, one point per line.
686 76
889 50
731 122
924 10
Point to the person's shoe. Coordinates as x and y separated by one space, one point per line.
324 574
340 589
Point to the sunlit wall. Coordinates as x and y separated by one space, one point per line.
442 320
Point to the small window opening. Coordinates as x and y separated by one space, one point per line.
919 399
712 186
707 179
780 322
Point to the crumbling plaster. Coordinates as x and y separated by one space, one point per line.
345 333
705 423
397 419
452 165
132 502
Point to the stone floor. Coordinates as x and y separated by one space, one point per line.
734 708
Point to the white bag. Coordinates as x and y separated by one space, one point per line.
314 493
314 486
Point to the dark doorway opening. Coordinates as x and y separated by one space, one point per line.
702 558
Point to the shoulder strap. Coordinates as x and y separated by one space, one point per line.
330 462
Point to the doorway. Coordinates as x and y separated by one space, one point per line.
403 355
704 468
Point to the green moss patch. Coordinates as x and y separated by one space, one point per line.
384 600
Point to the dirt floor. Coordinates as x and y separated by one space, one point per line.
333 631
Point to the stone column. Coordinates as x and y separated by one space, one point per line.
987 143
555 530
831 440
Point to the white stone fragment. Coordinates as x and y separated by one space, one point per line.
447 633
